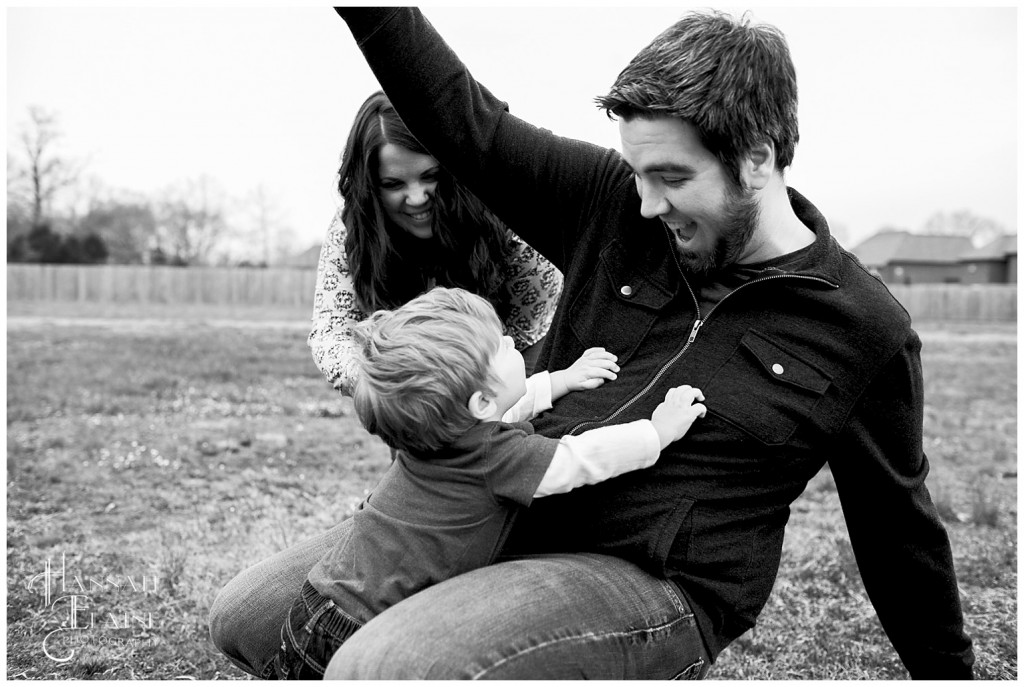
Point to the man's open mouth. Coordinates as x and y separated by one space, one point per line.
684 233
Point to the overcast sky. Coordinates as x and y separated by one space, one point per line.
904 111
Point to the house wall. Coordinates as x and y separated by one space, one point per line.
921 273
984 272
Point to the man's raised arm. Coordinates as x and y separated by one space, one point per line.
425 80
544 187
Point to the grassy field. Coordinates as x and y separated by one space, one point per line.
153 459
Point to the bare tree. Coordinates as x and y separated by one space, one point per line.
44 170
268 234
13 190
18 220
980 230
87 193
126 225
190 221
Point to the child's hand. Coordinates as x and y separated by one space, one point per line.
590 371
674 416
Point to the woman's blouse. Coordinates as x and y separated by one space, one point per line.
532 284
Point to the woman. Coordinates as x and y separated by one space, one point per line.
405 227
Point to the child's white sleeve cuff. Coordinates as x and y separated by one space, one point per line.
535 401
600 454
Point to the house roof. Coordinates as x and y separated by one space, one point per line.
998 249
887 247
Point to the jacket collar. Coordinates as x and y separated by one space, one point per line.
661 266
826 257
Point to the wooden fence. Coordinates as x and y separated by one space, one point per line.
284 286
160 284
959 302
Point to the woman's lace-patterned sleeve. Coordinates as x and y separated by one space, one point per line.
335 312
534 286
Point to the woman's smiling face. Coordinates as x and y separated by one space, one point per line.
407 184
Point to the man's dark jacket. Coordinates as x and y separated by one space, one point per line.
798 370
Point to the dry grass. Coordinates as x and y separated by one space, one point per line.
178 453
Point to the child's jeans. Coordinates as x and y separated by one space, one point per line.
314 630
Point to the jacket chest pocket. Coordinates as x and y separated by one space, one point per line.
617 306
765 390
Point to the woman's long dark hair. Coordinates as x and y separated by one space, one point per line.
389 267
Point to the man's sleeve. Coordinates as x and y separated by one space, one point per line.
901 546
544 187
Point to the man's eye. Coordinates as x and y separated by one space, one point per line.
674 181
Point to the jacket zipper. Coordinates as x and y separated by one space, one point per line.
697 324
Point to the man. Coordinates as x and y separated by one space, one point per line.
689 258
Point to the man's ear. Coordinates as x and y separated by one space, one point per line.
757 166
481 407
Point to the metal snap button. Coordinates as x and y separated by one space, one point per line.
626 290
777 369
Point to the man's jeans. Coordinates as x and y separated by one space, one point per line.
564 616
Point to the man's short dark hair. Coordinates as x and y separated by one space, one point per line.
731 79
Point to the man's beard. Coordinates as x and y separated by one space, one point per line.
740 214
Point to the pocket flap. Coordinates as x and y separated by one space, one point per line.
765 390
783 366
629 284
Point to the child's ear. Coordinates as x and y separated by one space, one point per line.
481 407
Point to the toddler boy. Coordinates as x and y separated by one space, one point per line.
438 382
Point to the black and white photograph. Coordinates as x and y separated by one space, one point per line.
512 342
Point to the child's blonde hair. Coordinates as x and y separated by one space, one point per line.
419 364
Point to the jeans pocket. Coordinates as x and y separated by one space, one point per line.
294 636
694 671
307 641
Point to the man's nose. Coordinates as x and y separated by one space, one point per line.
652 200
